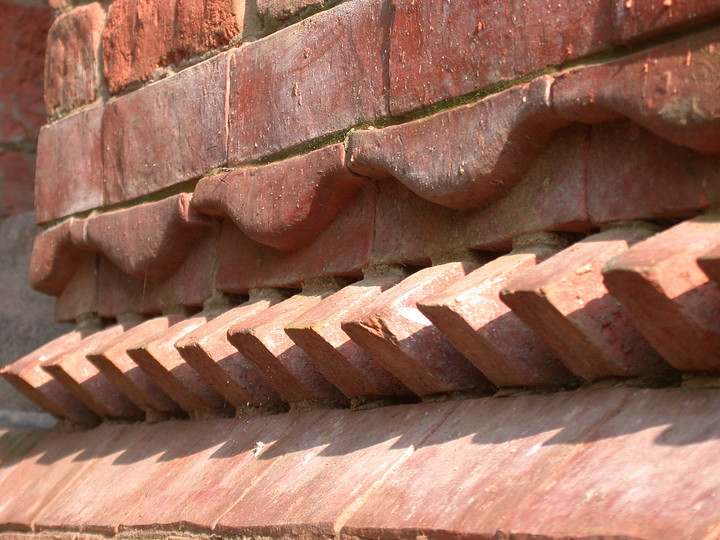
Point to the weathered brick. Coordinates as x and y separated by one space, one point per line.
343 248
274 11
479 325
22 54
209 352
441 50
158 357
289 370
73 370
69 175
27 376
339 359
17 182
465 157
286 204
317 77
404 342
564 301
188 110
670 90
144 35
112 360
72 62
668 297
635 19
80 295
633 174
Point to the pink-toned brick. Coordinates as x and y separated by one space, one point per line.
339 359
668 297
72 62
209 352
80 295
144 35
315 78
473 318
69 175
17 183
285 204
564 301
188 110
289 370
404 342
710 264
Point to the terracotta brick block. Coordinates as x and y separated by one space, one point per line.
478 324
144 35
72 68
289 370
274 11
668 297
442 51
73 370
339 359
670 90
404 342
158 357
564 301
635 20
17 183
209 352
80 295
343 248
69 174
285 204
113 361
188 109
27 376
438 158
22 55
292 87
633 174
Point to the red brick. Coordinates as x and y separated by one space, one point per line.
668 297
289 370
473 318
633 174
38 386
72 62
636 19
438 157
286 204
17 183
292 86
273 11
144 35
188 109
69 175
22 55
339 359
564 301
158 357
73 370
403 341
209 352
80 295
54 258
710 264
343 248
113 361
442 50
670 90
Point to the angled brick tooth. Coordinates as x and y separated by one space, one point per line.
27 376
209 352
114 362
668 296
564 301
289 370
404 342
72 369
159 358
340 360
474 319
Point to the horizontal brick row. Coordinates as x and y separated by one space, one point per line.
625 302
272 97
